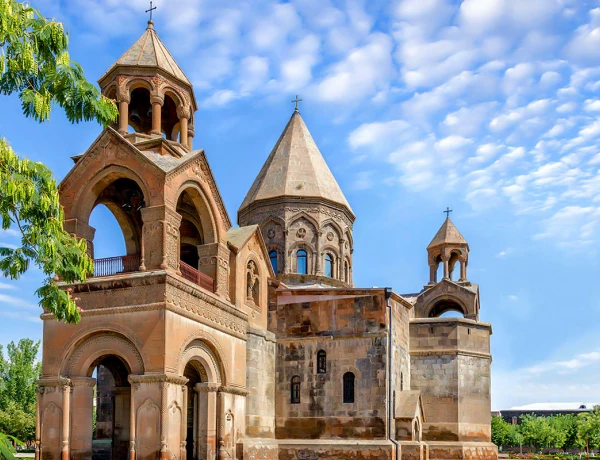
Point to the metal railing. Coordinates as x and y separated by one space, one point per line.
193 275
115 265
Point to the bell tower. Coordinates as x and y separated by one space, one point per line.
447 248
155 97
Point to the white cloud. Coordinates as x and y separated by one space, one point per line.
583 48
513 298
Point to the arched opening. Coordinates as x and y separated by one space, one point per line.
329 265
348 388
193 372
401 381
446 308
169 118
190 230
140 111
439 269
124 199
346 272
295 390
452 263
321 362
273 259
302 262
112 403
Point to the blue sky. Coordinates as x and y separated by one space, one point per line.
491 108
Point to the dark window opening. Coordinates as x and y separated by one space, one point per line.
321 362
295 390
348 381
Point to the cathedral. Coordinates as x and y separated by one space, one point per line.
213 341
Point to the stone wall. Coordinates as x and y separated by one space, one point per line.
260 384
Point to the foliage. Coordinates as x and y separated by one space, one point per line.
35 65
6 446
557 431
19 372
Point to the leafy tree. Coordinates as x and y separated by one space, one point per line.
35 65
500 429
588 430
19 372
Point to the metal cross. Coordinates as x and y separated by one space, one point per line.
296 101
447 211
150 10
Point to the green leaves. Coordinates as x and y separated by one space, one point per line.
29 200
35 63
6 448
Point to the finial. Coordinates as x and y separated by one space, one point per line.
447 211
296 101
150 10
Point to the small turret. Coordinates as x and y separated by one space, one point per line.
448 247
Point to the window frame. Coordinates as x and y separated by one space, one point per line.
295 390
348 392
276 257
303 256
331 260
321 362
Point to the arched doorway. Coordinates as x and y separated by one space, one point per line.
193 373
111 412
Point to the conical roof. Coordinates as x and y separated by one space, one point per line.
447 234
295 168
150 51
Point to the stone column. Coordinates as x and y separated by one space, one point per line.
124 99
214 262
81 230
445 260
184 397
157 100
463 270
38 403
82 412
195 425
287 257
318 255
132 423
432 274
183 113
123 117
207 420
66 419
160 238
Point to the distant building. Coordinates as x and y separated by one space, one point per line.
514 414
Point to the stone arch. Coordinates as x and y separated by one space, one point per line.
208 356
87 195
174 94
204 208
86 352
305 215
446 303
136 83
334 225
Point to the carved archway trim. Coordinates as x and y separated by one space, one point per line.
75 347
202 344
209 204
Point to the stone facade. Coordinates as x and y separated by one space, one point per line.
205 341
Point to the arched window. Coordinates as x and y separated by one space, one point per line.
273 257
348 381
295 390
302 262
321 362
346 272
329 265
401 381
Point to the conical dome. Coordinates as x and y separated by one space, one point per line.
447 234
149 51
295 168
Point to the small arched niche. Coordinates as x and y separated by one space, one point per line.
447 308
169 119
140 111
191 230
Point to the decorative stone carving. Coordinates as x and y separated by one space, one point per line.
301 233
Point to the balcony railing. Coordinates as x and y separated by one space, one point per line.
193 275
116 265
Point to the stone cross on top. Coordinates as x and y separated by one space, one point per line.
150 10
296 102
447 211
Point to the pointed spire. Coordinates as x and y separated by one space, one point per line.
447 234
150 51
295 168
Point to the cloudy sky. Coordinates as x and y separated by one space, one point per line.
491 107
